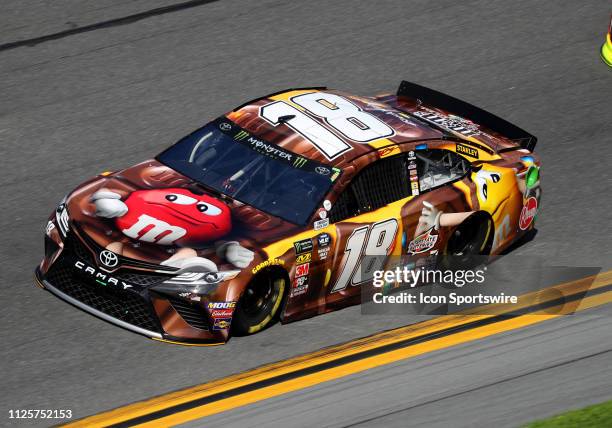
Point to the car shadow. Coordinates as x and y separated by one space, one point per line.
527 237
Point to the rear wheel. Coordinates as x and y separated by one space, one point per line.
259 303
470 241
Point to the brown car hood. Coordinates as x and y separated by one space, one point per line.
252 228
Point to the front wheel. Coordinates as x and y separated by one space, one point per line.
259 304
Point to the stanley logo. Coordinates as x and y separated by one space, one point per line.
469 151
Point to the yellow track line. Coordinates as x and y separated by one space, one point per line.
335 352
372 362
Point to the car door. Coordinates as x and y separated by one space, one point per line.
380 213
367 227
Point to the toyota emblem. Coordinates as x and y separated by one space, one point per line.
108 258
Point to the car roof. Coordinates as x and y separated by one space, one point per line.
404 127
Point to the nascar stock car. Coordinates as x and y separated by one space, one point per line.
268 211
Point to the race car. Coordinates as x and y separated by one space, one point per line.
268 211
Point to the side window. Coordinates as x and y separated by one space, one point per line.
439 167
388 180
379 184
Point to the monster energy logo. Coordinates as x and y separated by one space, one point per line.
335 175
241 135
299 162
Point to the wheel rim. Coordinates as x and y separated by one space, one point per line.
468 240
259 298
468 245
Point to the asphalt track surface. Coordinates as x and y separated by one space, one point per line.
84 102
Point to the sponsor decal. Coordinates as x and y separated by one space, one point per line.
324 239
299 162
302 270
169 216
323 252
424 242
320 224
101 277
276 152
466 150
414 185
222 323
388 151
323 214
336 174
303 258
221 305
327 205
149 229
412 165
221 313
303 246
451 122
300 286
241 135
273 151
108 258
411 155
271 262
528 213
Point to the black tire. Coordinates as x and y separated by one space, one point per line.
470 242
259 304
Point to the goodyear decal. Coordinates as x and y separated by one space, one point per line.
265 264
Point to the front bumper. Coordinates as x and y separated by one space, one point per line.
139 309
136 329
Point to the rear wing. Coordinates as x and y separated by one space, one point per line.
461 108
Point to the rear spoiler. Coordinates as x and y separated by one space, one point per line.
461 108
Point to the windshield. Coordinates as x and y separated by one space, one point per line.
230 160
